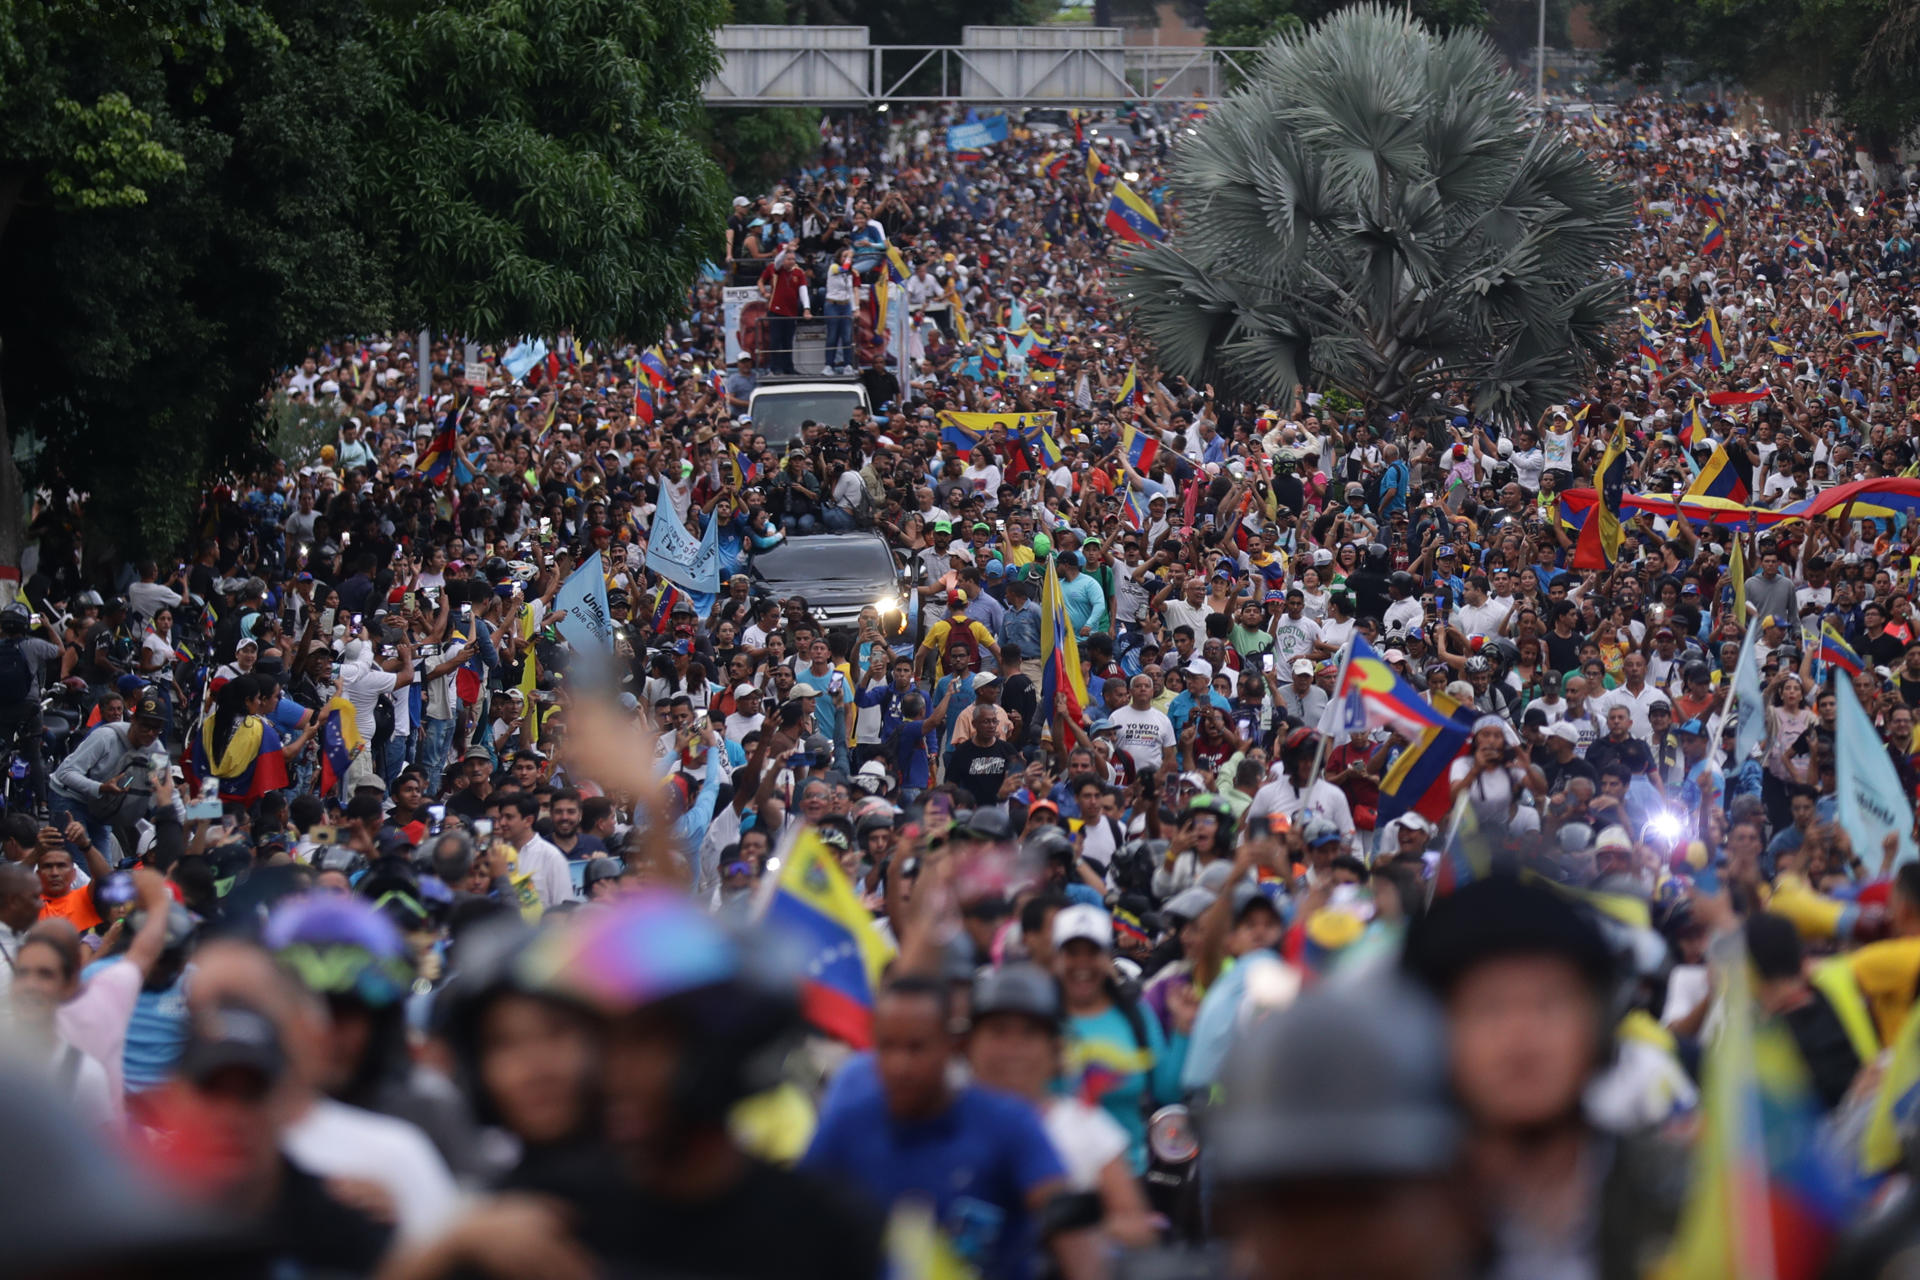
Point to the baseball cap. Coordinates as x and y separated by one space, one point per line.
1694 727
745 691
232 1037
803 690
1303 666
984 678
1200 667
1564 731
1083 921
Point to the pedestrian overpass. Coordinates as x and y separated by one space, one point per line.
1023 66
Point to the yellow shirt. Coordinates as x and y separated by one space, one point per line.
1888 973
1815 916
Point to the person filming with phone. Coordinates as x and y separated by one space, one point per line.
104 782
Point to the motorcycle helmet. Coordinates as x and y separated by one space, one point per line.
1025 990
1404 581
1378 558
732 995
15 619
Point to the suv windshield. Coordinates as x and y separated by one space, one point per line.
777 415
840 559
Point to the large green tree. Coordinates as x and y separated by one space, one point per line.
193 192
1373 213
1859 59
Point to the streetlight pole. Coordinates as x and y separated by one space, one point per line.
1540 60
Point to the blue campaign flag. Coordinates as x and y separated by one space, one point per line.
522 356
976 134
1872 801
1749 701
674 555
583 595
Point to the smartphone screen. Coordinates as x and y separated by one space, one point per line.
483 827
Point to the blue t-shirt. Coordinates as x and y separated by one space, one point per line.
1125 1093
975 1164
156 1033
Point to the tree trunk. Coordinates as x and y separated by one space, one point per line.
13 522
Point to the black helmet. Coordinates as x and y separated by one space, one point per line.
1503 653
1341 1084
1049 844
1695 671
1378 557
15 619
1024 989
868 825
1403 581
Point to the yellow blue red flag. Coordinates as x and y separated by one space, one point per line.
814 905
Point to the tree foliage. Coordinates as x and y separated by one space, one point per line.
1251 23
1374 213
194 192
1857 58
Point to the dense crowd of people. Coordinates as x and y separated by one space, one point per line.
393 928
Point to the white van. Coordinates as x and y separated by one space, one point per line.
778 408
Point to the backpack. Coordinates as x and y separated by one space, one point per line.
16 674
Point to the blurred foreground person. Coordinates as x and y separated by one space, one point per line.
688 1021
1530 993
1339 1153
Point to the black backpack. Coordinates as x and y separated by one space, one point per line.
16 674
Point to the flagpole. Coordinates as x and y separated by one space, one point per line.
1320 752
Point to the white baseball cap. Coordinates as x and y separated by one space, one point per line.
1303 666
1082 920
745 690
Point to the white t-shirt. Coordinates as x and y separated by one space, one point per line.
1492 792
1481 619
333 1140
363 687
1144 735
1086 1138
1295 637
1179 613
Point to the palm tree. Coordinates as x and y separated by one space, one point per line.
1375 211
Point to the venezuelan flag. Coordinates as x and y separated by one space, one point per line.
1866 338
1056 165
1049 450
1649 344
1132 218
252 765
654 365
1767 1196
1695 432
814 906
643 406
339 742
437 462
1727 474
1713 239
1783 354
1836 311
1418 779
1835 651
1716 350
897 268
1134 508
1059 651
1599 544
1130 389
664 601
1095 170
1140 446
1798 243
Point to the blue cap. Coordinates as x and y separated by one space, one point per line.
1070 557
1444 551
995 569
1695 726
